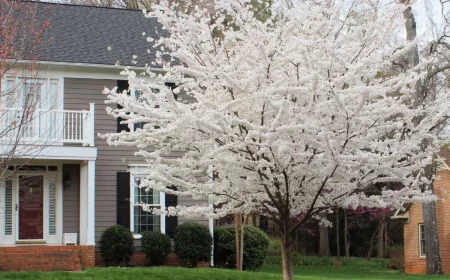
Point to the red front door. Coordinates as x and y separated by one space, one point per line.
31 210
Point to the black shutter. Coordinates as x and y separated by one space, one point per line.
121 86
172 221
123 199
172 86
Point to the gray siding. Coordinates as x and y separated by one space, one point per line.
71 199
78 93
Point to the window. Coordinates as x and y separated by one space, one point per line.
123 85
422 240
143 220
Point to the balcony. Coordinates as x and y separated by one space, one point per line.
47 127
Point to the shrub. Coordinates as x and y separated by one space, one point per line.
116 245
156 247
256 243
192 243
397 257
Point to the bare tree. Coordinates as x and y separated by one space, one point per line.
22 33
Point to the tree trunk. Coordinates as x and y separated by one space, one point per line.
432 246
380 239
288 272
338 245
241 243
346 235
433 250
324 246
238 228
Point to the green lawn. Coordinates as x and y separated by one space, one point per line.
268 272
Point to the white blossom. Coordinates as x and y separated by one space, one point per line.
294 116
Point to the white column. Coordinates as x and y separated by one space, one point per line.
162 197
83 202
211 230
87 203
91 204
92 123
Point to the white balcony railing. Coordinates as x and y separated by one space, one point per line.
47 126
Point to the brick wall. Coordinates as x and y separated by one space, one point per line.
139 259
413 262
47 258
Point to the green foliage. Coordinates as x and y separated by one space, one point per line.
156 247
192 243
262 9
397 256
116 245
256 243
274 244
330 261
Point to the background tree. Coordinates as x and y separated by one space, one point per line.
22 34
296 114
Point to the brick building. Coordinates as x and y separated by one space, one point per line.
414 242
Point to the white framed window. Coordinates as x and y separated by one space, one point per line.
141 220
29 101
422 243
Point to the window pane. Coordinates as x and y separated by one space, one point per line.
141 196
145 221
422 239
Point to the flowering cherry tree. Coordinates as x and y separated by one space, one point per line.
293 116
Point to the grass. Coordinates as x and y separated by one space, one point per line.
330 261
268 272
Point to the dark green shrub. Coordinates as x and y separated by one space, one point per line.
256 243
116 245
156 247
192 243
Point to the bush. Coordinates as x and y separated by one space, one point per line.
192 243
256 243
156 247
116 245
397 257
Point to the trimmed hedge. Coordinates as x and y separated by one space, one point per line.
116 245
330 261
156 247
256 243
192 243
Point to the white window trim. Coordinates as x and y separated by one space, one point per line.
140 172
421 253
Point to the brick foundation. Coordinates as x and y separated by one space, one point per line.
46 258
139 259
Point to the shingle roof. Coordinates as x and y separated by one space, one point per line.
82 34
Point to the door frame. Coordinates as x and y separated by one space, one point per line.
55 239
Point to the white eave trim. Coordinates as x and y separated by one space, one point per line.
90 65
441 164
398 215
54 152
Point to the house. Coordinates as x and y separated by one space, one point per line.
414 239
72 185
